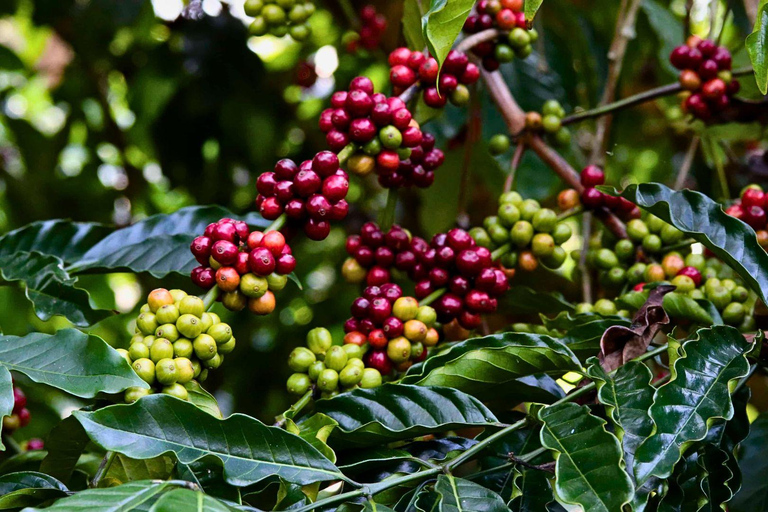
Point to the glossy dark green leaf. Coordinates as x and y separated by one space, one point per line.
627 396
189 501
527 300
460 495
668 29
697 394
158 245
249 450
589 469
50 288
6 396
202 399
531 8
64 239
498 367
315 430
372 506
399 411
757 46
18 490
126 469
78 363
412 32
442 24
208 475
682 307
533 491
753 496
65 443
704 220
122 498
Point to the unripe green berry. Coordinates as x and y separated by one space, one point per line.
167 331
493 220
544 220
315 369
625 250
511 198
301 359
637 230
652 243
671 235
276 282
206 321
427 315
351 375
138 351
719 296
205 347
273 15
636 272
405 308
191 305
605 307
253 7
542 245
528 209
739 294
697 261
371 378
166 372
161 349
147 323
616 276
508 214
606 259
133 394
300 32
328 380
509 260
189 326
390 137
684 284
176 390
551 124
481 237
504 53
214 318
319 340
734 313
182 348
185 370
583 308
728 284
697 294
145 369
336 358
298 384
213 362
521 233
459 96
125 355
551 107
355 362
519 38
221 333
167 314
499 144
353 352
499 234
563 137
562 233
228 347
524 52
203 374
253 286
556 259
399 349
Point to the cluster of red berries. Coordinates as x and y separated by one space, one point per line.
592 199
20 416
454 261
705 71
751 208
394 327
373 25
311 194
418 169
246 266
505 15
409 67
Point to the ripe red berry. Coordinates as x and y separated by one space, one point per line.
402 76
317 229
433 98
592 198
455 63
470 75
325 163
274 241
377 339
261 261
713 89
19 399
306 183
203 277
241 265
294 209
361 83
201 249
592 175
362 130
415 60
318 207
227 279
399 56
379 360
271 208
359 103
428 71
224 252
285 169
756 217
691 272
753 197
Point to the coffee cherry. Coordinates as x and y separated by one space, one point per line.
319 340
499 144
301 359
158 298
145 369
135 393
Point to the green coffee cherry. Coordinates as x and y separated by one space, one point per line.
739 294
133 394
145 369
167 331
166 372
399 349
253 286
207 321
504 53
635 273
606 259
498 234
697 294
176 390
371 378
353 352
167 314
204 346
637 230
493 220
351 375
213 362
542 245
315 369
481 237
161 349
189 326
138 351
697 261
191 305
544 220
417 349
298 384
182 348
719 296
728 284
655 224
356 362
203 374
652 243
521 233
499 144
616 276
519 38
563 137
511 198
214 318
276 282
328 380
147 323
508 214
125 355
605 307
427 315
301 359
405 308
625 250
583 308
185 370
671 235
221 333
509 260
556 259
336 358
562 233
734 313
528 209
228 347
319 340
684 284
551 123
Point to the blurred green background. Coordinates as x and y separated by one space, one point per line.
113 110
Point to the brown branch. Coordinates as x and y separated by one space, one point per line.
519 150
625 30
687 163
514 116
470 42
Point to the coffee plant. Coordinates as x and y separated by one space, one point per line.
495 255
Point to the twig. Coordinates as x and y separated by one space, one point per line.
514 116
519 151
549 467
106 462
409 93
687 163
209 299
387 215
625 30
277 223
586 276
432 297
295 408
470 42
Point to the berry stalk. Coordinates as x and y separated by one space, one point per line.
387 215
432 297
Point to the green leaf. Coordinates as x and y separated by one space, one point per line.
530 9
589 470
158 245
202 399
584 339
249 450
682 306
627 396
6 396
697 394
125 469
372 506
753 495
459 495
65 444
50 288
668 29
704 220
412 14
315 430
64 239
399 411
442 24
24 489
535 493
78 363
122 498
757 47
188 501
498 367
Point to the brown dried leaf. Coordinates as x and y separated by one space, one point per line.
621 344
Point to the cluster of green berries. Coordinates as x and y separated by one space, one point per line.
536 329
176 341
549 122
280 18
508 17
327 368
525 233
